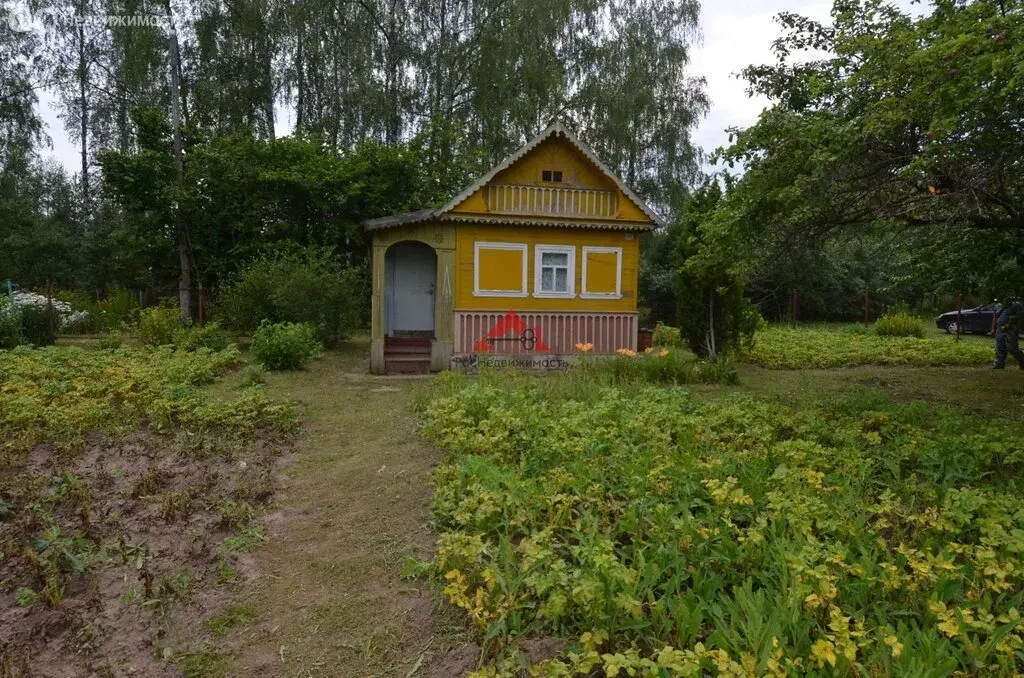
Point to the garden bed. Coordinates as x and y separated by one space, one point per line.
657 533
127 494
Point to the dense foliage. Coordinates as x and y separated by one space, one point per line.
391 106
905 134
284 346
302 286
713 314
664 535
804 348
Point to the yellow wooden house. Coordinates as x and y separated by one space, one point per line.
539 255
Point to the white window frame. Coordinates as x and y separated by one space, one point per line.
538 256
520 247
618 273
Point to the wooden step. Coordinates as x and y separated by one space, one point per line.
407 364
390 342
406 350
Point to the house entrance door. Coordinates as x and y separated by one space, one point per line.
412 276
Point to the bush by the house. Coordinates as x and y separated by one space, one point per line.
310 287
285 346
899 324
666 335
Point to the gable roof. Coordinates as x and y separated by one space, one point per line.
555 129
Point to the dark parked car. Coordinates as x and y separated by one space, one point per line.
973 320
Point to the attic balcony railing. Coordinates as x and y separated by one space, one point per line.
559 202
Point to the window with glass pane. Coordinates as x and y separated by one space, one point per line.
554 272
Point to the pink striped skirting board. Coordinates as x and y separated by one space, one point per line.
530 333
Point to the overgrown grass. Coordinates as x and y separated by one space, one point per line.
899 324
664 367
664 535
803 348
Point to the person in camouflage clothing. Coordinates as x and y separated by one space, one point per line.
1008 334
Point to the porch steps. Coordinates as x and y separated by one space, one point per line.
406 355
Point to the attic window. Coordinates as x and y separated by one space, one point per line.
551 176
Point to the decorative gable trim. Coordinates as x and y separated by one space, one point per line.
555 129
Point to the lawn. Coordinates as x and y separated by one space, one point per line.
850 345
758 530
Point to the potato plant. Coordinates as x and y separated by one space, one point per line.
662 534
125 487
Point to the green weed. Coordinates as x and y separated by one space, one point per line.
234 617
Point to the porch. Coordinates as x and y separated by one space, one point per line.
413 286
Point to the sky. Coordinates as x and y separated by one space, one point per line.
736 33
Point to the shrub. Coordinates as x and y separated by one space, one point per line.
109 313
665 335
38 326
158 325
193 338
309 287
112 340
899 324
284 346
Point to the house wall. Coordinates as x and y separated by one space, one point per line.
503 271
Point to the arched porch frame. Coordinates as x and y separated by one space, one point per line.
441 238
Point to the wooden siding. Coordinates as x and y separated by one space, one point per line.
467 235
560 332
548 201
578 173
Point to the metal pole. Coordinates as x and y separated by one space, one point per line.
959 316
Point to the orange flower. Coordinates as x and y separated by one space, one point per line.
663 353
584 348
648 350
627 352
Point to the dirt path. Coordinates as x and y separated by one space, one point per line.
353 508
